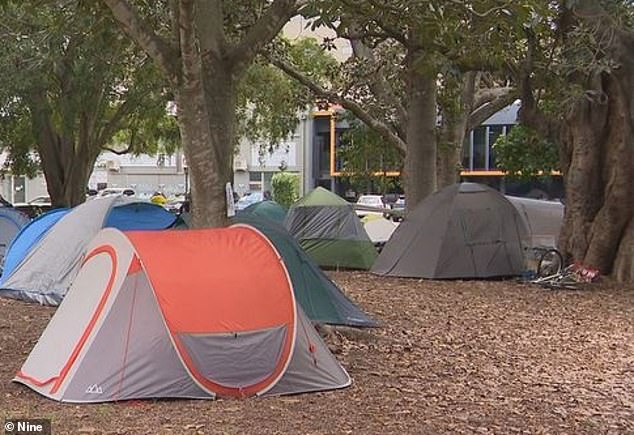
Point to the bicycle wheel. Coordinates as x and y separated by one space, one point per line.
550 263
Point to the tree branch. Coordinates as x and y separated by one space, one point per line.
210 27
119 152
190 61
383 129
377 84
165 55
484 111
263 32
111 126
487 95
393 31
479 14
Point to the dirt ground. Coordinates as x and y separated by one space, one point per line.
459 357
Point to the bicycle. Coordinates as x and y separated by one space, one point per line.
551 262
568 278
542 261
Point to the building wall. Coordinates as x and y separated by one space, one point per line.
20 189
256 163
146 181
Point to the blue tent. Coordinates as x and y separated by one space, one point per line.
28 236
139 216
45 257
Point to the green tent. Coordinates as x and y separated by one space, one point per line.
330 232
265 209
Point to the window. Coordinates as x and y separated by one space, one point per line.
479 148
266 187
323 145
255 181
19 189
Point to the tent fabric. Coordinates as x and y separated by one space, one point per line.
330 232
139 216
265 209
321 197
45 273
379 229
141 321
11 222
465 230
319 297
28 236
543 219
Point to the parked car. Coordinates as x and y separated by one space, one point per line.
34 207
175 204
398 210
41 201
371 202
116 191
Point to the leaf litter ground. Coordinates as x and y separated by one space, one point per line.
451 356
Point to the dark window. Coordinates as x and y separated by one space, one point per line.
479 148
494 132
323 144
255 176
338 160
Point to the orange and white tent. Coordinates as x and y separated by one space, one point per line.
180 314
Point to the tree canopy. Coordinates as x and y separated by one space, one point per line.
71 83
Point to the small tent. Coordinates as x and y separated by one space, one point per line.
270 210
50 256
465 230
543 219
320 298
329 231
146 319
11 222
378 228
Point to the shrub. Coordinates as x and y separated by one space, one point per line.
285 188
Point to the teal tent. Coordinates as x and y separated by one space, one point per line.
270 210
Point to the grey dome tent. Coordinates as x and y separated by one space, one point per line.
543 219
329 231
465 230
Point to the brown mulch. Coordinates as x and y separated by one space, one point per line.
453 356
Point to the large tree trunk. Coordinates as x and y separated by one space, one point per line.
66 167
66 183
452 132
207 136
76 181
450 146
600 193
420 159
